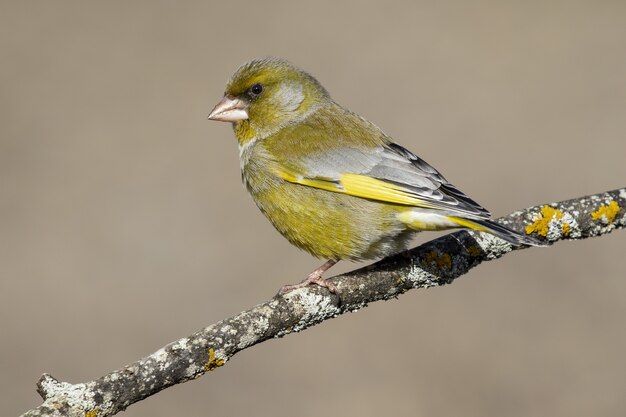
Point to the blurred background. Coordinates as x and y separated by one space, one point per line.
124 226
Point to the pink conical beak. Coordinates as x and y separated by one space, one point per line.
229 109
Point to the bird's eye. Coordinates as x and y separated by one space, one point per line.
256 89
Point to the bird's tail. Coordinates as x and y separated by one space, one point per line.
489 226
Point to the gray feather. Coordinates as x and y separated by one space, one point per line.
394 164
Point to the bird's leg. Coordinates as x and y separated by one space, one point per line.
314 277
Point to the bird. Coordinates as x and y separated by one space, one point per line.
332 182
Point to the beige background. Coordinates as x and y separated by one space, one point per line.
123 223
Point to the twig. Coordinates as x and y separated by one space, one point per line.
434 263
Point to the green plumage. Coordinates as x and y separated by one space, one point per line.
326 224
330 181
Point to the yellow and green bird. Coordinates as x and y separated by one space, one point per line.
330 181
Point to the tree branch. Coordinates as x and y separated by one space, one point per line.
434 263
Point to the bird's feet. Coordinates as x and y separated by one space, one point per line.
322 282
314 277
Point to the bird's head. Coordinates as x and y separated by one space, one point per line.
265 95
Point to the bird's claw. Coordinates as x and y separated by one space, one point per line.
317 280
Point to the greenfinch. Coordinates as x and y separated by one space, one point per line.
330 181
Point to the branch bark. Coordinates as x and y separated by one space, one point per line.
434 263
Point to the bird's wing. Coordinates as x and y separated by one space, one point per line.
389 173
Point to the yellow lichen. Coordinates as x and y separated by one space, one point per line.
442 261
213 362
542 221
92 413
400 282
473 250
566 229
606 213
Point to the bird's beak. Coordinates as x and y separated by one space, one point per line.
229 109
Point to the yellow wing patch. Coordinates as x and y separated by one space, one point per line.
374 189
362 186
321 183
